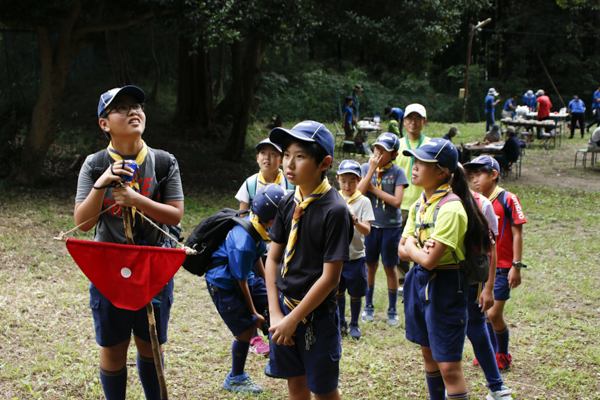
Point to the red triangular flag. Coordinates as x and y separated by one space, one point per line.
129 276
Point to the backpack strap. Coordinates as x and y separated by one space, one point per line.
162 166
446 199
99 164
507 211
251 184
247 225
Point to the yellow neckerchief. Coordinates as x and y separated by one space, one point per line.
139 159
263 182
259 228
495 193
379 177
353 198
438 194
299 212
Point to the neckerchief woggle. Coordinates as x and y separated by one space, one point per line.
299 211
438 194
139 159
412 159
263 182
259 228
379 178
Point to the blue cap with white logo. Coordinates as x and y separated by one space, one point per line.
388 141
266 201
349 167
307 131
436 150
484 160
107 98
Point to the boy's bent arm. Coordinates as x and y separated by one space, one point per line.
284 330
394 200
402 251
244 206
87 209
249 302
169 213
365 182
486 299
363 227
426 260
273 261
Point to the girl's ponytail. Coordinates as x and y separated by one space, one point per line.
477 235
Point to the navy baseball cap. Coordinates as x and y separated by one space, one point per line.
483 160
266 201
388 141
349 167
306 131
109 96
267 141
436 150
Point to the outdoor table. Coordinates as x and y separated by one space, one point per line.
365 127
474 150
532 123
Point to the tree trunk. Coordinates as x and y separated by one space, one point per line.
154 90
194 92
55 65
245 70
120 62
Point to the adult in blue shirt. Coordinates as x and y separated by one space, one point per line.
595 109
490 107
395 113
509 107
577 110
529 99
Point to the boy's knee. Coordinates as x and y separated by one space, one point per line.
451 371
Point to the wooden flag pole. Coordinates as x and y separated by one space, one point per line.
126 213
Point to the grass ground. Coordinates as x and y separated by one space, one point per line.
47 335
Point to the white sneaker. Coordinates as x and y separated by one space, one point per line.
503 394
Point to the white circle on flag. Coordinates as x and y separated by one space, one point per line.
125 272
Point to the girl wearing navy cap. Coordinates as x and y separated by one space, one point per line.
435 290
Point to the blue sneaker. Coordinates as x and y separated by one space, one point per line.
392 317
368 313
355 331
241 384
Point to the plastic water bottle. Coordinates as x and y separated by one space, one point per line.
377 120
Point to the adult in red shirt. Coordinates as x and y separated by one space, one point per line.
542 107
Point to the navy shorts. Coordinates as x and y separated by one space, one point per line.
114 325
354 278
232 308
384 242
501 288
435 312
320 364
475 314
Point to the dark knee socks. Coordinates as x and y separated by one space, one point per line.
435 384
392 297
369 296
341 302
502 337
355 306
485 354
239 353
492 335
148 377
114 383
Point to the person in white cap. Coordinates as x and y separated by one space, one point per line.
490 106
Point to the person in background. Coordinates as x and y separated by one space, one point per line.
493 135
594 143
490 107
396 114
511 150
355 103
529 100
509 107
595 110
577 110
347 119
542 107
452 132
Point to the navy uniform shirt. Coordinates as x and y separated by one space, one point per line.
324 235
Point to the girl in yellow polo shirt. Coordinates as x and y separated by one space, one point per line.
435 290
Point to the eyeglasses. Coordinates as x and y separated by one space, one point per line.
123 109
415 118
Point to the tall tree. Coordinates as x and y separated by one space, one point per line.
72 21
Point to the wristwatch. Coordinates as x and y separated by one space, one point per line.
518 265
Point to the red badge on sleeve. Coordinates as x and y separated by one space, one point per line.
128 276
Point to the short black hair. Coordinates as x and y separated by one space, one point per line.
313 150
387 109
349 98
482 168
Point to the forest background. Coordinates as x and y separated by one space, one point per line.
213 68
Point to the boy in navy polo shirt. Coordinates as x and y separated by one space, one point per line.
310 237
241 309
122 118
384 184
354 272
